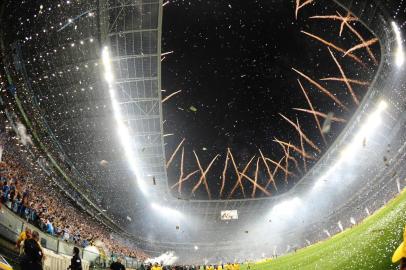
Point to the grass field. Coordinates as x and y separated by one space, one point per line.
369 245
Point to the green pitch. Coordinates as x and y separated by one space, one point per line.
369 245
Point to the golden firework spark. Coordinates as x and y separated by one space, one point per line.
310 142
300 5
239 183
323 115
171 95
322 89
203 175
362 45
255 184
348 18
181 171
288 157
271 179
353 81
184 179
295 148
333 17
166 53
345 21
174 153
354 97
302 146
312 108
181 179
278 164
223 180
371 54
335 47
255 179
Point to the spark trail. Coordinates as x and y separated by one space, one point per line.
239 177
353 81
322 89
171 95
362 45
310 142
323 115
203 175
174 153
312 108
335 47
371 54
300 5
271 178
354 97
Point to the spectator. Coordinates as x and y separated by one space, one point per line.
32 259
49 227
400 253
24 235
117 265
6 190
75 262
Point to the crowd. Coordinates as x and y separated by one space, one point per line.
226 266
29 192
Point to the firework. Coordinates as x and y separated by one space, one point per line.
353 81
295 148
181 171
184 179
255 179
335 47
362 45
166 53
289 157
354 97
299 5
278 164
360 38
255 184
171 95
268 170
312 108
310 142
322 89
302 146
223 180
239 177
323 115
174 153
203 175
343 20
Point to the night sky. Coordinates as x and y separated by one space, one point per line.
232 60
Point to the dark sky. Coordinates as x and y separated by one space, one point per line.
232 60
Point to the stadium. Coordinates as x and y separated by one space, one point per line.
200 135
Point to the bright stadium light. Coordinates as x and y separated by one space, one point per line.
399 54
367 130
286 209
196 247
122 130
163 210
351 151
